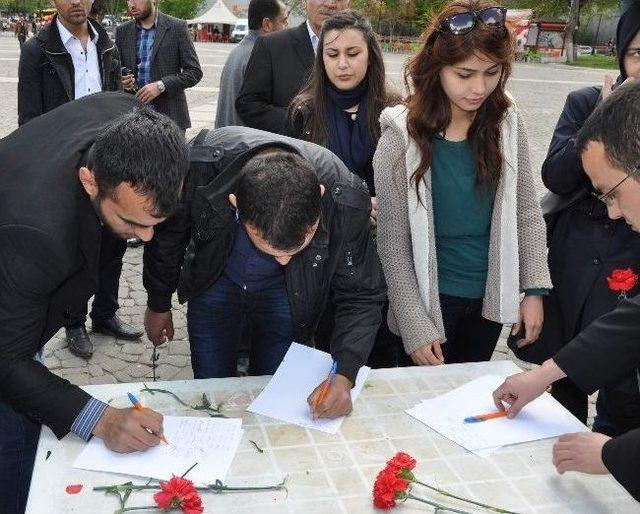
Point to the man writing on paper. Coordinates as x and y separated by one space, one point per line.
101 160
609 349
274 228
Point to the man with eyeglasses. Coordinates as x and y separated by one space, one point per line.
609 349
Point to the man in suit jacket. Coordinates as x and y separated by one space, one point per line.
265 16
279 67
608 350
108 161
70 58
159 50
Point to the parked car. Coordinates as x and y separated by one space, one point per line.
584 50
240 30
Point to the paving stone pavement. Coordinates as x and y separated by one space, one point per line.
539 90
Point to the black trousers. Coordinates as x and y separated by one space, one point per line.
470 337
572 398
105 303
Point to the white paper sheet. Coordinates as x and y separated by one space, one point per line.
541 419
211 442
285 396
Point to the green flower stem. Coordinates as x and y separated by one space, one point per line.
127 509
213 412
450 495
437 506
210 487
224 488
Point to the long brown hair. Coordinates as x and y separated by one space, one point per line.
429 108
313 97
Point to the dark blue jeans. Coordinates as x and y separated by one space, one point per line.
18 445
217 318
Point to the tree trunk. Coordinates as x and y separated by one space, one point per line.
570 46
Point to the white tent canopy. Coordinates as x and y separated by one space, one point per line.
219 14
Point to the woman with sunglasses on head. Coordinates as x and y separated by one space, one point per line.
339 108
585 246
460 232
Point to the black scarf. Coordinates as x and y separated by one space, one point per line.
628 27
355 147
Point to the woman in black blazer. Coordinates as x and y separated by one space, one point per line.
585 246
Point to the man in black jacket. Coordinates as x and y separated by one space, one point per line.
69 59
276 228
279 67
608 350
103 160
47 77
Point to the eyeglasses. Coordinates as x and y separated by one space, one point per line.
607 197
464 22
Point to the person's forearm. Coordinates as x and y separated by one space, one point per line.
550 372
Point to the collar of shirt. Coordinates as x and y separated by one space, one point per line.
154 26
65 35
314 38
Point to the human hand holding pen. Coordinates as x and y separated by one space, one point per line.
125 430
138 406
520 389
335 402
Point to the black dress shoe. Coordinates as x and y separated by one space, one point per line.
79 342
117 328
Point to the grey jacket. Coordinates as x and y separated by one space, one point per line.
173 60
408 316
231 81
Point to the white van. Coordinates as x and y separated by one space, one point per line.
240 30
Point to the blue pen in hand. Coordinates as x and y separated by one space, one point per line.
138 406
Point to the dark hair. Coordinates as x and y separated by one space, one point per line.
314 97
628 27
278 193
148 151
261 9
614 123
429 109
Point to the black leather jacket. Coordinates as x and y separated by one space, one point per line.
341 262
46 74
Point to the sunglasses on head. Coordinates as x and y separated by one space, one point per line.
464 22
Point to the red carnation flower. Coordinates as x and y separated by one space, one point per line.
179 493
401 461
388 488
622 280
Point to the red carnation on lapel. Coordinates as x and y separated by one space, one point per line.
622 281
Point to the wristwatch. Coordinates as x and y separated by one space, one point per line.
161 86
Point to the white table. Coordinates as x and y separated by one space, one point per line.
334 473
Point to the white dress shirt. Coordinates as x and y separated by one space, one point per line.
314 38
86 65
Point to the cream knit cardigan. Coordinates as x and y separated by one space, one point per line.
406 241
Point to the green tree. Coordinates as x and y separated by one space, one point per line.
24 6
185 9
561 8
573 11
